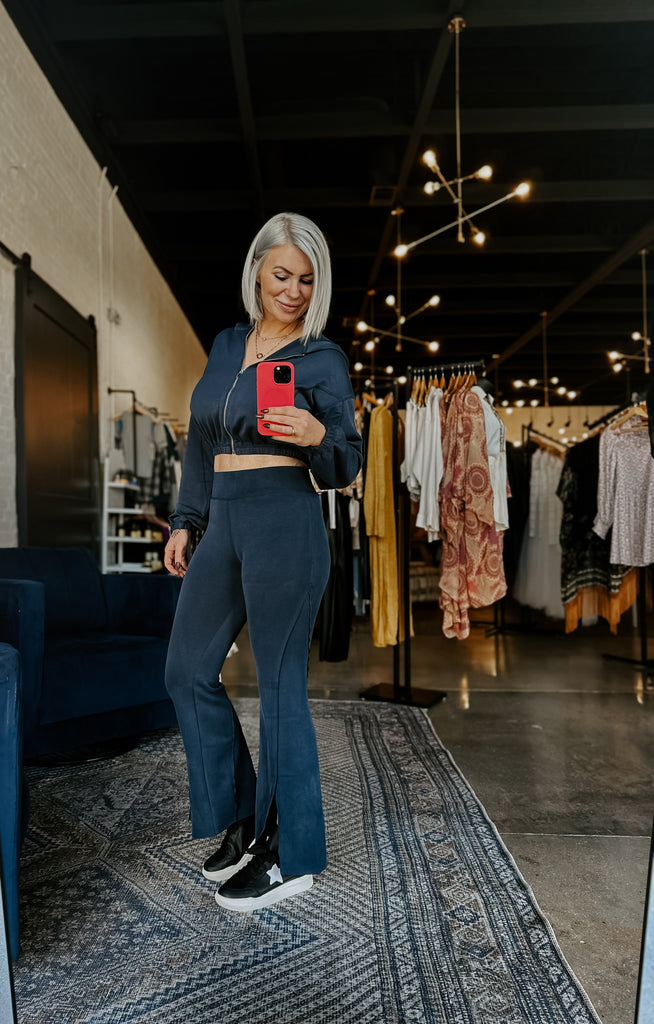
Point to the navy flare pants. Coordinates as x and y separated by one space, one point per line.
264 558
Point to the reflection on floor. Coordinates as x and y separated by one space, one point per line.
557 742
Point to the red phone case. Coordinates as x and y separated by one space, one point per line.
271 395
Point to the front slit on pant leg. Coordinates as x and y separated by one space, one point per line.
281 607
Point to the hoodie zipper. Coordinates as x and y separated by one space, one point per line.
229 395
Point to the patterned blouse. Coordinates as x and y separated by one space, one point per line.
472 572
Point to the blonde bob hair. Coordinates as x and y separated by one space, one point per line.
291 229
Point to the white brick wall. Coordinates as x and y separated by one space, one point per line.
50 197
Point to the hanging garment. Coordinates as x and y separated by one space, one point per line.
625 494
472 573
379 509
496 451
518 465
429 464
409 470
590 583
336 609
538 577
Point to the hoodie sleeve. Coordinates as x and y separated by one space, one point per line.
192 508
336 461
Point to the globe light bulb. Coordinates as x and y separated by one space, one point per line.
429 188
636 336
429 157
400 251
572 395
435 300
389 369
402 320
433 346
362 326
358 367
613 356
520 403
534 402
401 380
485 172
479 237
617 367
518 383
532 382
554 380
523 189
505 403
369 346
390 300
368 382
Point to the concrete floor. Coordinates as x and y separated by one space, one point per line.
557 743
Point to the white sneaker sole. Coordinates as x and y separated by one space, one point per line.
280 892
225 873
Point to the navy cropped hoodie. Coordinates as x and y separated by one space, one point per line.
224 420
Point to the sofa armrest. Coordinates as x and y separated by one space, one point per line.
22 624
140 605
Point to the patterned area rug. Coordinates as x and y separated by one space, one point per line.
420 918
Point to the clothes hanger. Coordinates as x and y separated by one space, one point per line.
634 410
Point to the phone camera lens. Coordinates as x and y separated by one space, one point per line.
282 375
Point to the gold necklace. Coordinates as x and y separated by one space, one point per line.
258 338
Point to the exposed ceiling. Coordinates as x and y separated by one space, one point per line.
211 116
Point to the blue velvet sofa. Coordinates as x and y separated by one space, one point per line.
93 647
13 795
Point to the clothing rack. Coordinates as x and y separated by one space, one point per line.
529 431
635 399
128 391
403 692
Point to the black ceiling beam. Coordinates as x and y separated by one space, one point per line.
499 246
642 238
232 11
367 124
72 22
204 200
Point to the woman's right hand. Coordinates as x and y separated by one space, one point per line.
175 553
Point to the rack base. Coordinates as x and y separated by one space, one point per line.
417 698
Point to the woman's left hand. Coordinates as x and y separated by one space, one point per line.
296 426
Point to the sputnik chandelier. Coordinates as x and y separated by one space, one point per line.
394 302
484 173
621 359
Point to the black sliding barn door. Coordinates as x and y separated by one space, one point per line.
56 419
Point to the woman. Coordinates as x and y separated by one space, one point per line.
263 558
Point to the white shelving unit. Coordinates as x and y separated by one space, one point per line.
114 516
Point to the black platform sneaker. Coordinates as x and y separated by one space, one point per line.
232 854
260 883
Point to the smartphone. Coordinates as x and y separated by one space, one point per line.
275 387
